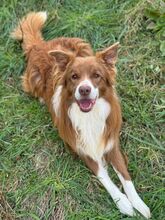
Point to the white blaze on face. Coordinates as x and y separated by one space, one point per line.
94 91
87 100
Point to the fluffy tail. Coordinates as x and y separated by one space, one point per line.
29 29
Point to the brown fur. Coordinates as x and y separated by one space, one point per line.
53 63
119 161
91 164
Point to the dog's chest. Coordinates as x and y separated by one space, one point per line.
90 127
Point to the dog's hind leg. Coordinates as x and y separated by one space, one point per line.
42 101
25 83
32 81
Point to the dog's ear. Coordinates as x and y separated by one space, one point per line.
109 55
62 58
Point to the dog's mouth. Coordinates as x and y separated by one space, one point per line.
86 105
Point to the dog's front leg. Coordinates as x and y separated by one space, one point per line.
118 163
119 198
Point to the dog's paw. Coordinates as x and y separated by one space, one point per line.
41 100
140 206
124 205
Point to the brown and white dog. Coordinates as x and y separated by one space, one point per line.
78 88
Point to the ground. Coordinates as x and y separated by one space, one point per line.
39 178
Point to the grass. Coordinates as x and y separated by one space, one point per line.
39 178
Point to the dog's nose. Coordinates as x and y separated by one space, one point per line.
84 90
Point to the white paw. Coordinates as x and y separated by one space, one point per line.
41 100
141 207
124 205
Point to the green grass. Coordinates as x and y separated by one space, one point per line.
39 178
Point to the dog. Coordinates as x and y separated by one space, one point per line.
78 87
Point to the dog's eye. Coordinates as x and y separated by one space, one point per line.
74 76
96 75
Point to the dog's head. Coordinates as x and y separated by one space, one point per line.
87 78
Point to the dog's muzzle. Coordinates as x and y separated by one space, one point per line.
86 95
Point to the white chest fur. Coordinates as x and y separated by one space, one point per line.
90 127
56 100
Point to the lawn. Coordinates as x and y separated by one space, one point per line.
39 178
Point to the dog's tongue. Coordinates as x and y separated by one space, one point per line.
86 104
